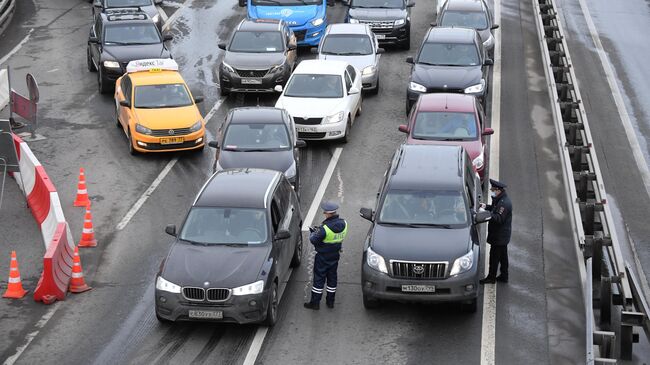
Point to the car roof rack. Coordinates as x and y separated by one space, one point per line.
130 13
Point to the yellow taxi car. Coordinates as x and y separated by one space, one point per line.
156 109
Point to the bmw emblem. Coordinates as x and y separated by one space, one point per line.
206 283
418 269
445 86
171 132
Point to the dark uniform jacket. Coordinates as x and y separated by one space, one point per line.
500 225
316 238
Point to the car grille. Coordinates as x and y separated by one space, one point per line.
308 121
374 24
192 293
196 294
443 90
251 73
311 135
419 270
218 294
300 34
165 132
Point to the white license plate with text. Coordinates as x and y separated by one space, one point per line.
205 314
419 288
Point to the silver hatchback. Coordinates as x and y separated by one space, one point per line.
355 44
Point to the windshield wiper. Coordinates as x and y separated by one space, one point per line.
454 139
270 1
423 225
194 242
254 149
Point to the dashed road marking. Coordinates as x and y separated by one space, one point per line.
30 336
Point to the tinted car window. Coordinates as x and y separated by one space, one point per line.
449 54
466 19
126 3
424 207
131 34
347 44
315 86
220 226
256 42
161 96
445 126
389 4
256 136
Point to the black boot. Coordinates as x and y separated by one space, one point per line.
502 278
310 305
330 305
487 280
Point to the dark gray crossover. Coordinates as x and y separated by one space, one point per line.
236 244
260 55
390 20
450 60
259 137
423 245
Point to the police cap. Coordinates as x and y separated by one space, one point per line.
329 207
498 184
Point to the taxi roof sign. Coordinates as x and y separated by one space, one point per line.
152 65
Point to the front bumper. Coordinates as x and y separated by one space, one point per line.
309 35
235 83
112 73
460 288
322 131
236 309
369 82
147 143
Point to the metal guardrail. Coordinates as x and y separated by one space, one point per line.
609 286
7 8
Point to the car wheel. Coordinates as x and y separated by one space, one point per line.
89 61
272 310
117 118
375 91
409 105
470 306
242 3
347 131
406 45
370 303
162 320
101 82
297 253
132 149
359 111
223 91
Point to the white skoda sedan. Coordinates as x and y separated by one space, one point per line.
324 99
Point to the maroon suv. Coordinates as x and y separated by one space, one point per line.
450 119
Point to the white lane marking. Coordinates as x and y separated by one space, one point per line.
488 326
17 48
30 336
640 160
176 14
260 334
162 13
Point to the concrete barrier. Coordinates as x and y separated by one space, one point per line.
57 267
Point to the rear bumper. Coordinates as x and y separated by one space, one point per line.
396 35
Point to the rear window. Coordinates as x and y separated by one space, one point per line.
465 19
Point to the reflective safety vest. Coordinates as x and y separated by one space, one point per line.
331 237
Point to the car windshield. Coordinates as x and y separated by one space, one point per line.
314 86
126 3
132 34
426 208
388 4
256 42
256 137
223 226
347 44
287 2
449 54
444 126
161 96
466 19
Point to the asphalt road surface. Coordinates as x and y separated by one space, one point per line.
538 316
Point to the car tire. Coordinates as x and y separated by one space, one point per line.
162 320
469 306
347 131
272 309
101 82
223 91
359 111
370 303
117 119
406 45
89 61
242 3
409 105
132 149
375 91
297 253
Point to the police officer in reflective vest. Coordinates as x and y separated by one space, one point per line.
499 231
327 240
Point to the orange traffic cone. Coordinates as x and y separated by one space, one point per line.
88 233
15 287
77 282
82 193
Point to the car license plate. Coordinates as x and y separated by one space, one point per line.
206 314
419 288
380 36
251 81
171 140
307 129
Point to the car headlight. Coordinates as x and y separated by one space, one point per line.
369 70
142 129
111 64
475 89
248 289
291 171
354 21
227 67
168 286
334 118
375 261
196 127
417 87
478 161
462 264
399 22
317 22
277 68
156 18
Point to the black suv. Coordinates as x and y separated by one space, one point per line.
235 246
390 20
119 36
450 60
147 6
423 245
260 55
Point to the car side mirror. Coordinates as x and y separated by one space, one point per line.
93 39
488 131
198 99
222 46
353 90
346 2
125 103
494 26
157 2
171 230
410 4
488 62
97 4
482 217
314 50
380 50
403 128
410 60
278 88
282 234
366 213
301 143
292 46
213 144
434 24
168 37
